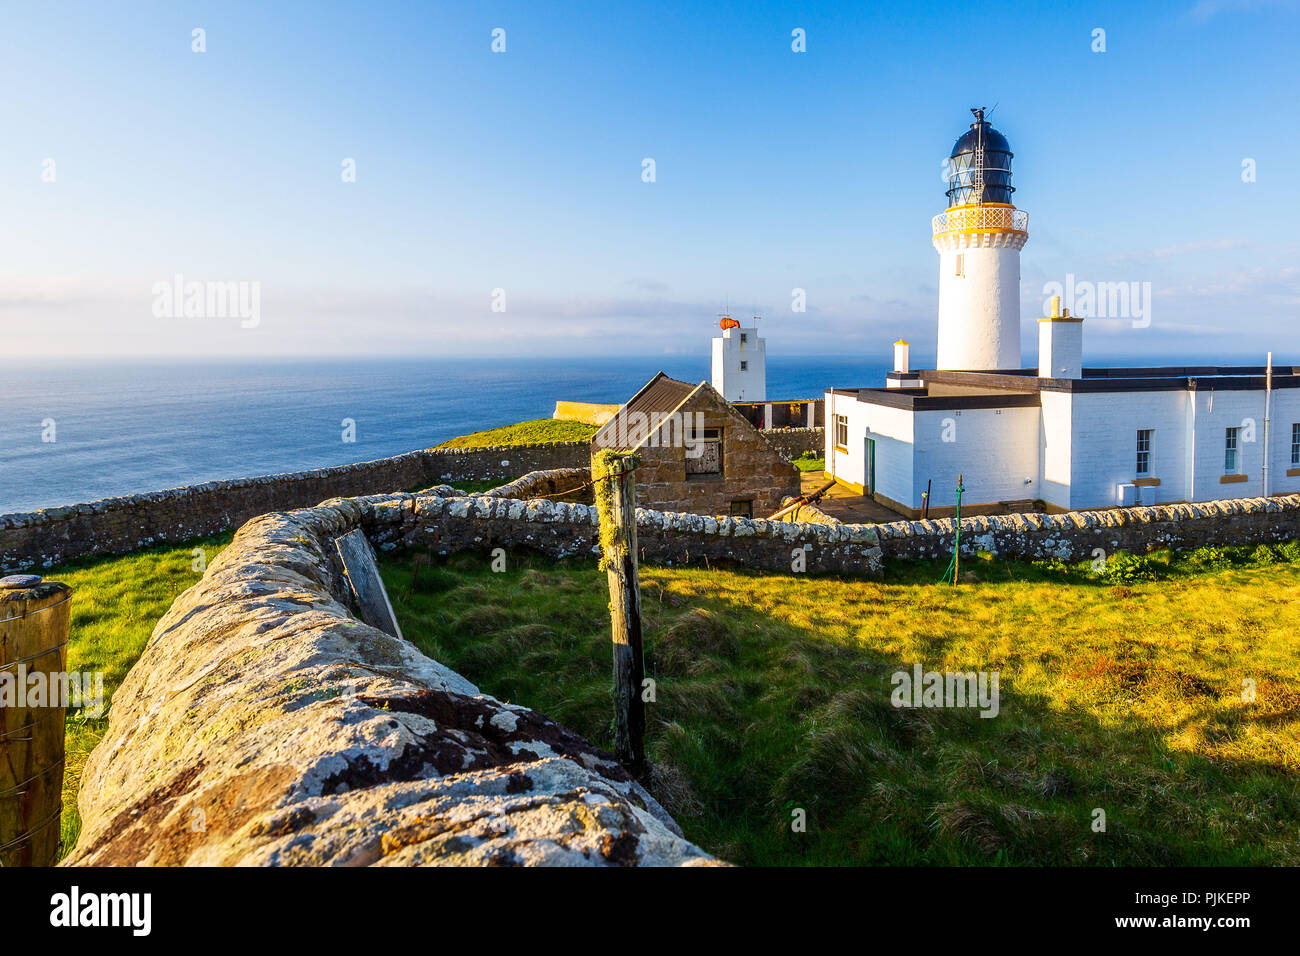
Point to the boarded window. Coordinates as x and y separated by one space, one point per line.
709 461
743 509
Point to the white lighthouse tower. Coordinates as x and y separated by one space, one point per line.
979 239
739 362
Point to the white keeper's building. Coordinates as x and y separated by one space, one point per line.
1059 437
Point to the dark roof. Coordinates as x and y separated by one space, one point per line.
920 400
968 142
1019 387
659 395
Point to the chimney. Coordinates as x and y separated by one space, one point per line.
1060 343
901 349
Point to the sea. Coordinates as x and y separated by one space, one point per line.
73 432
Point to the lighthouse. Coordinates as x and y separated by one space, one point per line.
739 362
979 238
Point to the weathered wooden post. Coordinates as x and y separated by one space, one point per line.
615 486
33 679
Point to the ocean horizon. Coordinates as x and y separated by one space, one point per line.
128 427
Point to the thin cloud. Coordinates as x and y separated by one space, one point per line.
1182 249
1207 10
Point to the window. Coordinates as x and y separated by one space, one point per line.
1230 454
842 431
1144 451
961 264
709 461
1295 444
744 337
744 366
742 509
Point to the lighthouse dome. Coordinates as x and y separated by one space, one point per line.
972 181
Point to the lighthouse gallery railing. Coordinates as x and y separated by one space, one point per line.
975 218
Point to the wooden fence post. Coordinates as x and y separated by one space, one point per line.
616 504
33 641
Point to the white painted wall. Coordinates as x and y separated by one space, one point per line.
730 350
893 430
1286 412
1055 454
1077 449
847 465
1060 349
1104 443
979 311
1215 413
1104 427
994 450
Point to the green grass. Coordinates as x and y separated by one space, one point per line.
1120 689
115 604
773 694
531 432
809 462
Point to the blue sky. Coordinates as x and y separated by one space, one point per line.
521 171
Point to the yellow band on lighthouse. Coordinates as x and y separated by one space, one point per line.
961 220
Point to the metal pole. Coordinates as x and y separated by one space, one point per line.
956 539
1268 411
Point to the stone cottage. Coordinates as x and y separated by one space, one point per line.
698 454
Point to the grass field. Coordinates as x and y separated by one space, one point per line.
773 696
1121 692
525 433
116 603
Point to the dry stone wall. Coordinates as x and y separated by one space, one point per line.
447 524
557 484
299 736
793 442
41 539
1073 536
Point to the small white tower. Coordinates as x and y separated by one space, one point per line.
1060 344
739 362
901 357
979 239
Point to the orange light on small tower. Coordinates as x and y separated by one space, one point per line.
728 323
